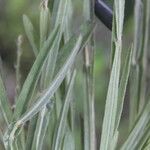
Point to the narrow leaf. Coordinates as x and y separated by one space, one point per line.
44 22
138 131
109 121
4 103
31 132
41 127
74 44
69 143
44 99
59 133
29 32
30 83
123 86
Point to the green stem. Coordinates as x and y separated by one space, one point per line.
89 77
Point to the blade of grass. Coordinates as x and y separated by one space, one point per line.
44 22
90 138
142 143
41 127
30 133
147 145
4 104
29 32
113 40
59 12
138 131
123 86
75 43
67 35
135 76
51 62
61 125
44 99
30 83
86 31
44 26
111 104
68 141
68 21
143 58
109 125
139 65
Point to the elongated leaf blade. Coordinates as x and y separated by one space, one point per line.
44 99
41 127
111 103
29 32
109 121
44 22
30 83
138 131
69 143
65 62
31 132
4 103
123 86
74 45
59 133
59 13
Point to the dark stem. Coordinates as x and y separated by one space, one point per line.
104 13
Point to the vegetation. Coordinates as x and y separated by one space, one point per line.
44 114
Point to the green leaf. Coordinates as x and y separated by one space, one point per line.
61 125
147 145
31 132
143 143
111 103
4 104
44 22
136 66
68 21
41 127
109 121
32 78
51 62
44 98
139 130
113 40
29 32
123 86
73 45
60 12
89 100
69 143
85 30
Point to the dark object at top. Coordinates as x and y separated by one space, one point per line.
104 13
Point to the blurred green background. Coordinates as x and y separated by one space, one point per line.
11 26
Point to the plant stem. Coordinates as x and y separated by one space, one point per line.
19 53
89 77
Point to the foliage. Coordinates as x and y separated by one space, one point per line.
44 116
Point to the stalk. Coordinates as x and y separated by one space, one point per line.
89 112
19 53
